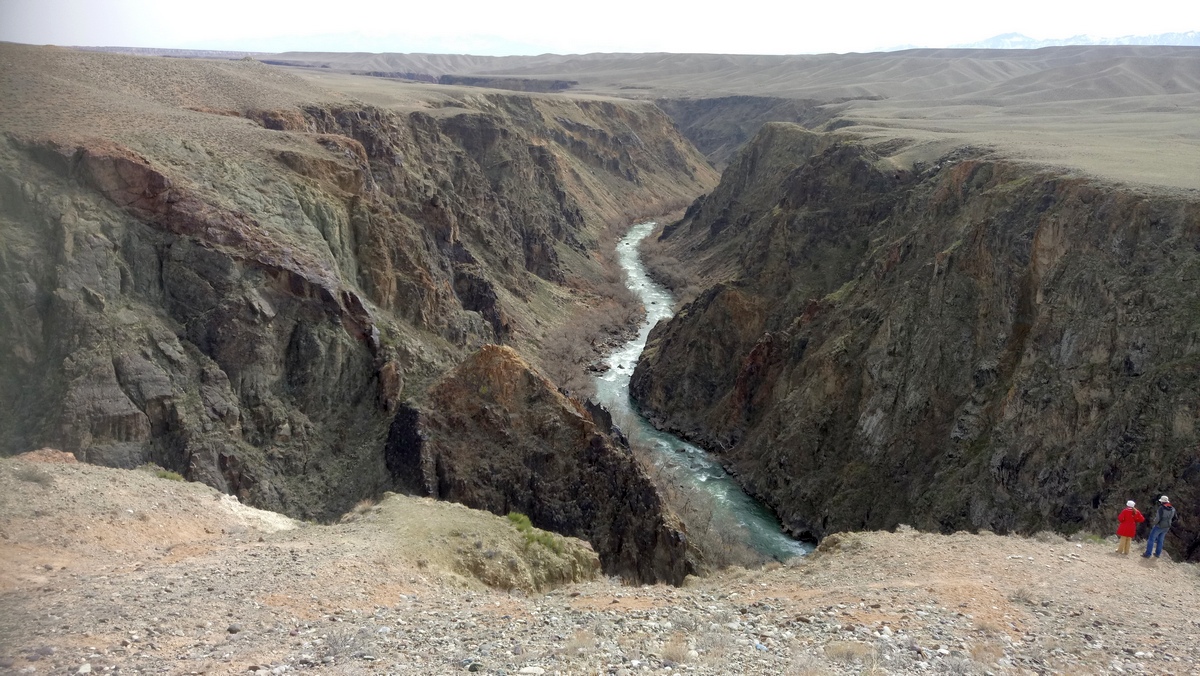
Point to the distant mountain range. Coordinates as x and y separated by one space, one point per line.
1018 41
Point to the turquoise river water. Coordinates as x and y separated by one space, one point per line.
684 462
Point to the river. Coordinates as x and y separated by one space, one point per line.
685 462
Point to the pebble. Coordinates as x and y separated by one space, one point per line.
747 622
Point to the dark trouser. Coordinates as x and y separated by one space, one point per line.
1155 541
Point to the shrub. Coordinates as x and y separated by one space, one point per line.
534 535
161 473
1022 595
580 644
676 649
521 521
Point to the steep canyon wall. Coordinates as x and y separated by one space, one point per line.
243 276
976 343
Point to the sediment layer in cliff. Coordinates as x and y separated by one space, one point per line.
975 343
241 274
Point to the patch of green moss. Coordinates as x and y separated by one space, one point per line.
534 535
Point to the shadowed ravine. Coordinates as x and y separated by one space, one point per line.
685 463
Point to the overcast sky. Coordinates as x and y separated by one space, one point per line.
566 27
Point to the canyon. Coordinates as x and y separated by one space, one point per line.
249 278
946 288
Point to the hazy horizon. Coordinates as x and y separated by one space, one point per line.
531 27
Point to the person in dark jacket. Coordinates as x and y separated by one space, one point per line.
1159 527
1128 520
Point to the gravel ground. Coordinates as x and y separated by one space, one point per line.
112 571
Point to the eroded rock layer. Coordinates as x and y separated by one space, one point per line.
242 274
972 344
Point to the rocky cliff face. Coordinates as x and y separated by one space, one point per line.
720 126
974 344
497 435
240 275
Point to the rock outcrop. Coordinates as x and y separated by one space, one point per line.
496 435
976 344
241 275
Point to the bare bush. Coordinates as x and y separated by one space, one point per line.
610 315
1022 595
342 642
714 645
664 268
988 626
721 540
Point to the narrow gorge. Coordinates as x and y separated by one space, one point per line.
307 288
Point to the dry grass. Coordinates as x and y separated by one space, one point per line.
161 472
804 664
581 643
986 652
850 652
988 627
361 509
1049 537
676 649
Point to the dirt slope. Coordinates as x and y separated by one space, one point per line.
120 570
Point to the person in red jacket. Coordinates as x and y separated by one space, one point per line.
1129 519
